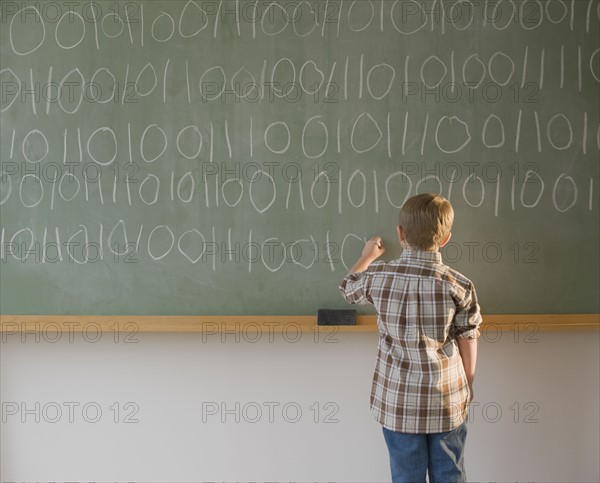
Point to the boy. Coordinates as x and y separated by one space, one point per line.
428 319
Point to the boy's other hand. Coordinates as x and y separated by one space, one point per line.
373 248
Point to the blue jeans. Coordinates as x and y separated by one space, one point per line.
440 454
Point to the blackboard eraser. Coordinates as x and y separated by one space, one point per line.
336 317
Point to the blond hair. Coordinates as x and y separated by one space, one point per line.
426 220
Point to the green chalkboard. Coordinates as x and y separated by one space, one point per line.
208 157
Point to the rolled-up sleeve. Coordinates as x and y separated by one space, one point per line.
467 318
353 288
356 286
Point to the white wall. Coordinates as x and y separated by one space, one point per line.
169 376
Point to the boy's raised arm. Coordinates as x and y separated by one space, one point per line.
373 249
355 286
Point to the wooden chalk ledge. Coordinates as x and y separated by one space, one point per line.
249 323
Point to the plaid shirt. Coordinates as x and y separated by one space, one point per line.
419 383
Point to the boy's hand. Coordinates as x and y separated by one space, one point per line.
373 248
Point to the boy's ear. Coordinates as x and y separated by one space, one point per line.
447 239
401 235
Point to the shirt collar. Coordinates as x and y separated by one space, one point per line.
411 253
